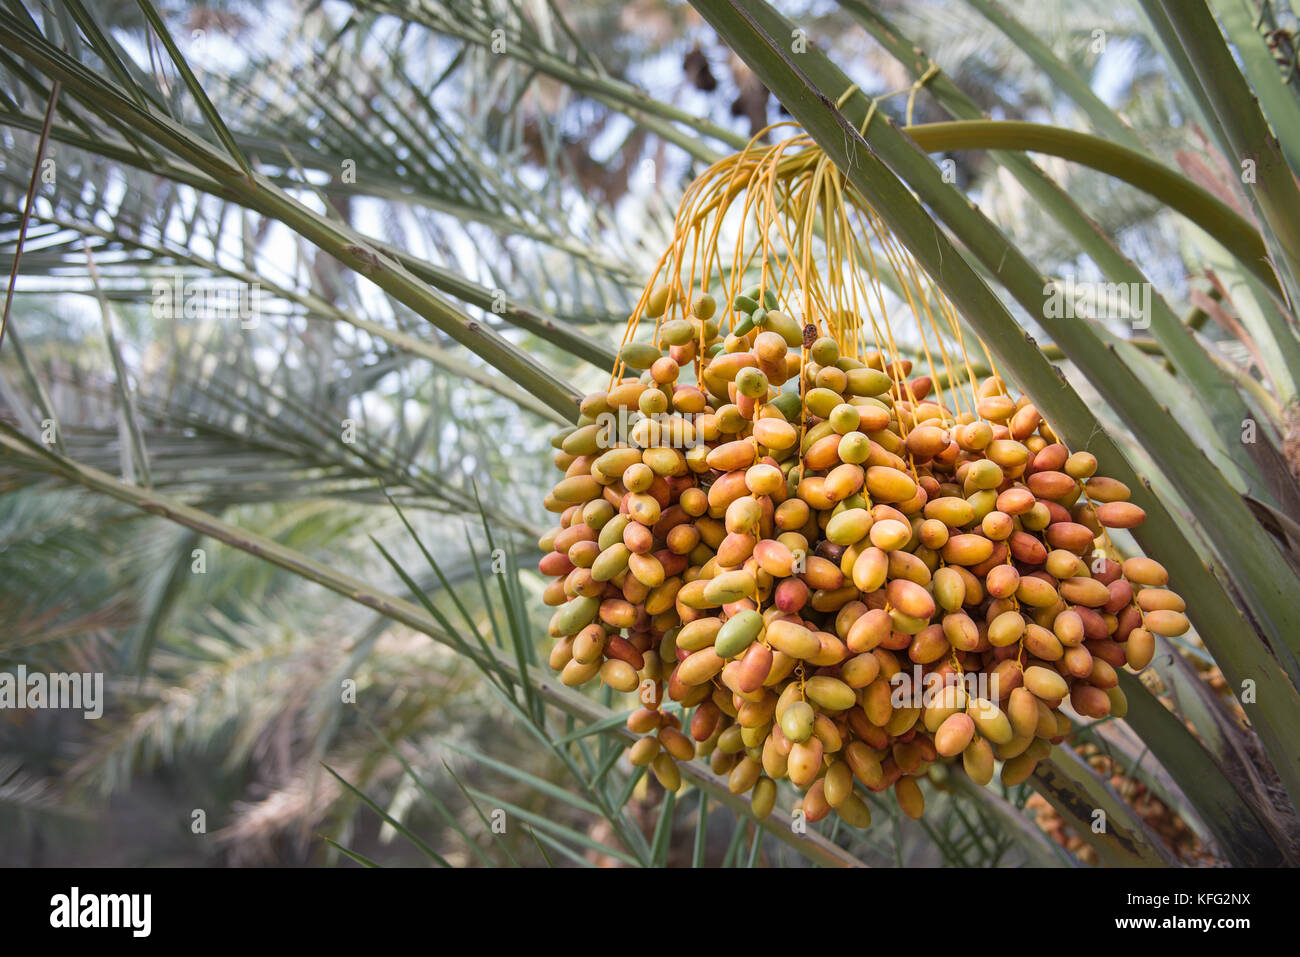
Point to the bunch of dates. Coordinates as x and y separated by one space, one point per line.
838 574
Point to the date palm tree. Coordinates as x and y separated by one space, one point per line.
297 298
